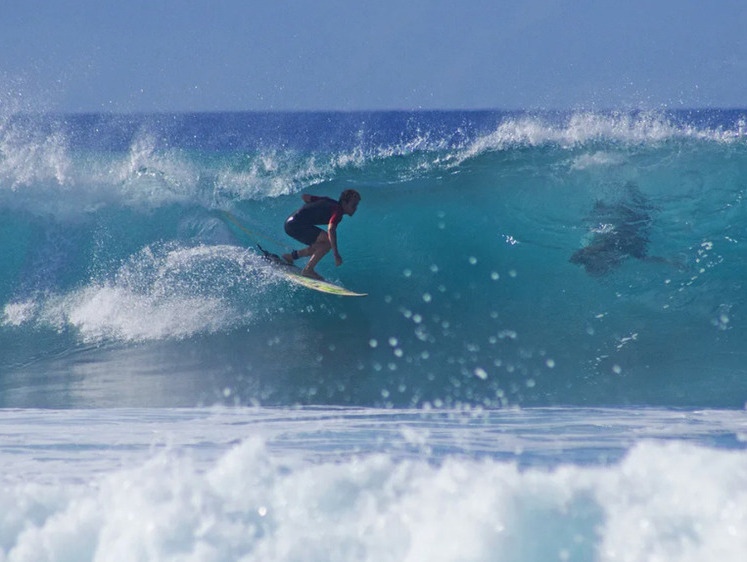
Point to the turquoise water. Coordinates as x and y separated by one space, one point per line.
117 253
164 395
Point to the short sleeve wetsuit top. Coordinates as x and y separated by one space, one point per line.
301 225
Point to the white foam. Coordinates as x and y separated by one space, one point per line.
161 293
17 313
108 312
669 502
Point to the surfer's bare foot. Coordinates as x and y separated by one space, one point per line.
288 258
312 274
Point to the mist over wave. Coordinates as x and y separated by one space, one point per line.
116 251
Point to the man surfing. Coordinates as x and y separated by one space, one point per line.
302 225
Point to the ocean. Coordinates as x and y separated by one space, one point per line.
550 363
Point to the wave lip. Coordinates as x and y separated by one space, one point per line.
81 163
587 127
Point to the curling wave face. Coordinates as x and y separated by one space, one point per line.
115 252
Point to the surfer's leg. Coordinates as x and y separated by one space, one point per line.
305 233
305 253
292 256
317 251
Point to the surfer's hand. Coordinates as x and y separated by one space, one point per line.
338 259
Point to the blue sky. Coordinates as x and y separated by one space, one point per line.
170 55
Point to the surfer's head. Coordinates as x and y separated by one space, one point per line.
349 200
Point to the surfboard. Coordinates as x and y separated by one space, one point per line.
317 284
291 272
294 274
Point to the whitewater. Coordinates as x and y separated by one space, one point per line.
550 364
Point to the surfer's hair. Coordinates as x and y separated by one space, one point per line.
348 195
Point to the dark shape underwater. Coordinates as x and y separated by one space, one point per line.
620 231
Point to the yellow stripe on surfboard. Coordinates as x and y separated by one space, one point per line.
316 284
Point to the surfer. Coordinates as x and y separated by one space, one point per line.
620 231
302 225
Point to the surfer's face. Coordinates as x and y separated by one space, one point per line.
350 206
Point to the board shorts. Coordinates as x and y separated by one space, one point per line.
303 232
